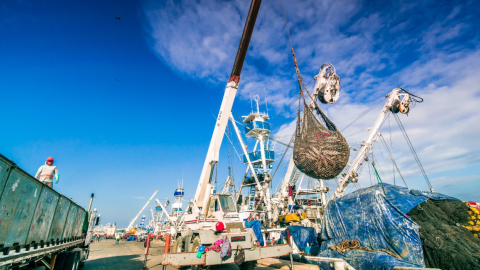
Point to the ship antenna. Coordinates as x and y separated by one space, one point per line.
251 102
266 105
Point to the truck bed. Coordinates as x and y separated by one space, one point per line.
33 217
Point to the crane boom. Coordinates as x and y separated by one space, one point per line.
135 218
351 175
164 210
204 183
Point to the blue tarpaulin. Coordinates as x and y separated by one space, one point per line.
376 217
255 225
302 236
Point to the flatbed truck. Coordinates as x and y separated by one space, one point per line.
40 227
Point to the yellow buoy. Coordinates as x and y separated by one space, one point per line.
469 228
476 228
471 222
476 235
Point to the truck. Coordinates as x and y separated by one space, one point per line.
213 218
40 227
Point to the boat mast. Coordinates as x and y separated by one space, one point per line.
205 181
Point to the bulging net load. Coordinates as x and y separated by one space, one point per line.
320 151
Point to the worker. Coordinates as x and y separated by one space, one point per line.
47 172
117 238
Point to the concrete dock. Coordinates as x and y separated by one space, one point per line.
130 256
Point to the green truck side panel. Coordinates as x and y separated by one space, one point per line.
42 219
77 227
5 167
18 202
72 214
58 224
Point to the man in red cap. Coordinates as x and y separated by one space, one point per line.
47 172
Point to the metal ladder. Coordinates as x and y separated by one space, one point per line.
253 192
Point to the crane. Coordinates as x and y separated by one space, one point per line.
205 182
135 218
397 102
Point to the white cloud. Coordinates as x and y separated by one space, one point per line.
368 49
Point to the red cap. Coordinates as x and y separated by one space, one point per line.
50 159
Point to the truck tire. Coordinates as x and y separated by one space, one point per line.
72 261
60 261
250 265
200 267
178 245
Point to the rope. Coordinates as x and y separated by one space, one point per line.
363 114
414 153
391 144
348 245
284 153
393 160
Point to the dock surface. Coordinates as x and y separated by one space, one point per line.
129 255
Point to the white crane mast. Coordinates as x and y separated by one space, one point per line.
204 186
164 210
135 218
351 175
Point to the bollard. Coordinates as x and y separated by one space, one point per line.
146 252
168 238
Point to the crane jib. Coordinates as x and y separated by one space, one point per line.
245 40
225 108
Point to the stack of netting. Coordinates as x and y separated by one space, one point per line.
446 244
473 219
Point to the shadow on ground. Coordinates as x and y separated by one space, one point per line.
125 262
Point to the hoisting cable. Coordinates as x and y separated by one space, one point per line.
383 157
414 153
393 160
363 114
284 153
379 168
391 145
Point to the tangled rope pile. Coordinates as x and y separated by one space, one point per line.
348 245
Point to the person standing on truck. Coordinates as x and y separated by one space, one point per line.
47 172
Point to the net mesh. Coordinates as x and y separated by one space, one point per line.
446 243
320 151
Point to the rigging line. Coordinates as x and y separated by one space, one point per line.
363 114
391 146
228 137
362 130
238 116
285 110
286 24
230 141
284 153
370 173
383 157
414 153
391 157
379 167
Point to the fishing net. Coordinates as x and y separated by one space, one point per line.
446 243
320 151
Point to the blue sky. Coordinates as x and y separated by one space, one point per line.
127 106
